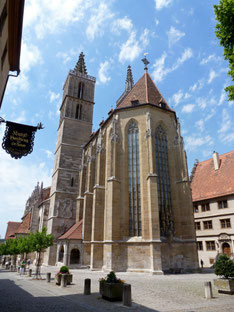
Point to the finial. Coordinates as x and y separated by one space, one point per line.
80 65
129 80
145 61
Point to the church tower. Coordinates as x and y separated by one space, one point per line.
75 127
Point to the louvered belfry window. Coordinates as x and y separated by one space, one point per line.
163 181
134 181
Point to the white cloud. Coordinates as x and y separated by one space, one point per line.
160 72
177 97
188 108
174 35
67 56
97 21
53 96
49 154
103 72
212 76
210 58
197 86
132 48
162 3
48 17
222 97
193 142
156 21
200 125
122 24
202 102
226 123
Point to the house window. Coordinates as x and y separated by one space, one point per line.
81 90
205 207
207 225
72 181
197 225
210 245
211 260
78 111
199 246
134 181
225 223
195 208
163 182
222 204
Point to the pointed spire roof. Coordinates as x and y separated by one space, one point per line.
129 80
80 65
143 92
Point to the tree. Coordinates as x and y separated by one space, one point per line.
225 33
24 245
12 248
39 242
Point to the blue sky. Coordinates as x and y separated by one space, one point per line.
186 63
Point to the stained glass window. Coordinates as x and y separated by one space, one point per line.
134 181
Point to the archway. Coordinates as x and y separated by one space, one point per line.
226 249
61 254
75 256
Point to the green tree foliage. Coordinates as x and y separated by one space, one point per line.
224 267
39 242
24 245
225 33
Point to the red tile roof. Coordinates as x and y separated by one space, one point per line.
144 91
210 183
12 227
75 232
25 224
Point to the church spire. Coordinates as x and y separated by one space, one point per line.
80 65
129 80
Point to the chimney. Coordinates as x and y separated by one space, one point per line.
216 160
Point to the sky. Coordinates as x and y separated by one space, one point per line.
186 64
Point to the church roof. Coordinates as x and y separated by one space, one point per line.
11 229
143 92
25 224
75 232
210 183
80 65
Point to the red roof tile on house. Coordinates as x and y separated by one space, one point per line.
144 91
12 227
210 183
25 224
75 232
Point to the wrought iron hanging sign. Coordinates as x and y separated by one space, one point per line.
18 139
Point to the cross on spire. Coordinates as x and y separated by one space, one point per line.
145 61
129 80
80 65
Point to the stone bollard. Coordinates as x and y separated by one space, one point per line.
64 280
48 277
87 286
127 296
208 290
30 272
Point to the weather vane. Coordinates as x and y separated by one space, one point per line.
145 61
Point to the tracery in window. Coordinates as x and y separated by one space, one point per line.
134 181
163 182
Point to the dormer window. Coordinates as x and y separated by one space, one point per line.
135 102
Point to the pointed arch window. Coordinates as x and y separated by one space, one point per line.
163 182
134 181
81 90
78 111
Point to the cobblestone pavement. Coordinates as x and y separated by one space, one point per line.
177 293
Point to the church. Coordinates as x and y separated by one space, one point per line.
120 197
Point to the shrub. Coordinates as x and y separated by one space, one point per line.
64 269
224 267
111 278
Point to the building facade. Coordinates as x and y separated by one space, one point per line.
120 197
213 204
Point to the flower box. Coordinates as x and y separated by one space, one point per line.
224 286
111 291
58 278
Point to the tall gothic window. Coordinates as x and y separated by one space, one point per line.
163 182
134 181
78 111
81 90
